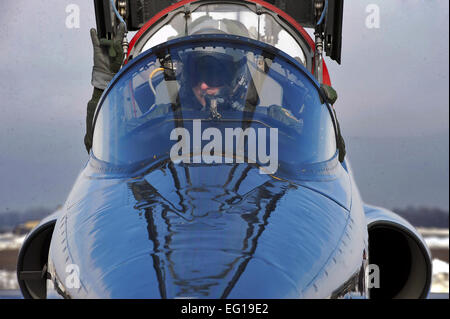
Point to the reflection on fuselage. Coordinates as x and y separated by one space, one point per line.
194 222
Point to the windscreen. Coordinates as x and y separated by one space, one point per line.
214 102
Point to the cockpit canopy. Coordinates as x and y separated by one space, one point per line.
211 87
225 18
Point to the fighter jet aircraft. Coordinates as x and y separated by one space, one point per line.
218 168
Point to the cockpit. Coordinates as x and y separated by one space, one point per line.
215 98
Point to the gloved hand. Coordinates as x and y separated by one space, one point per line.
108 57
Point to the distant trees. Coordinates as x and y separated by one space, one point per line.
10 219
417 216
424 216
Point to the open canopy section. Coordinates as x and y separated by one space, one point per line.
323 15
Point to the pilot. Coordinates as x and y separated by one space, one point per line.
220 80
216 77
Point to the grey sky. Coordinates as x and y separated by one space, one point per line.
394 80
392 85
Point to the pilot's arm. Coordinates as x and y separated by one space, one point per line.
108 58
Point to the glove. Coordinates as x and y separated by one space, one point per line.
108 57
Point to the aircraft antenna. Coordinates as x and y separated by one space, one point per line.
120 13
320 7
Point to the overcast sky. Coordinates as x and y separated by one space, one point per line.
392 85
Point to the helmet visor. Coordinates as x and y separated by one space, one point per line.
210 71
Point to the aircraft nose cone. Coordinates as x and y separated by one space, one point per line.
243 236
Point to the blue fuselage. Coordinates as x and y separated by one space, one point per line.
221 231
